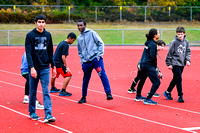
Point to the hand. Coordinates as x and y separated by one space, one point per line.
188 63
170 67
33 72
54 72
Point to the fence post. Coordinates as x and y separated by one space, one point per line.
161 34
14 7
191 14
122 36
8 38
95 13
42 8
69 13
145 14
120 13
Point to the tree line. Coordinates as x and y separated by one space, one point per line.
103 2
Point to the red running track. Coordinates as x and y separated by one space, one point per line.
121 115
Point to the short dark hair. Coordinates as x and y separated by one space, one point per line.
151 34
41 16
160 42
180 29
72 35
81 20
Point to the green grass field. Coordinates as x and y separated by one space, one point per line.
134 33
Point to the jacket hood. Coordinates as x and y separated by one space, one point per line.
86 30
148 41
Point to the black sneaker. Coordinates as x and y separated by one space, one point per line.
109 96
154 95
64 93
131 90
54 90
180 99
167 95
83 100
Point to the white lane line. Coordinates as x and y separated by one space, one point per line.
113 111
175 108
191 128
38 120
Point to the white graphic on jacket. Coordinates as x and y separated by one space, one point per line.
40 43
181 49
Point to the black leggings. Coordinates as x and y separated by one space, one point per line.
26 76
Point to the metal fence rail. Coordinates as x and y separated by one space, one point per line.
115 13
109 36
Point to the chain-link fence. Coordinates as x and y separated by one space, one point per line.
111 13
109 36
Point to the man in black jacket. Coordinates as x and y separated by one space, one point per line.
39 52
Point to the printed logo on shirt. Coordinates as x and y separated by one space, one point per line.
40 43
181 49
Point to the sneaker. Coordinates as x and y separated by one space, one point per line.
39 105
167 95
156 95
109 96
131 90
83 100
150 102
54 90
49 118
140 98
34 116
26 99
180 99
64 93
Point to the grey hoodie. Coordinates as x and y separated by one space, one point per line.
90 46
179 52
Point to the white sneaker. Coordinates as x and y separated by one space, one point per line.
39 105
26 99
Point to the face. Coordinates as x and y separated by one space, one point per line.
81 26
70 41
159 48
157 36
181 35
40 24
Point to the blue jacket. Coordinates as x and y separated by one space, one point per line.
24 65
149 56
90 46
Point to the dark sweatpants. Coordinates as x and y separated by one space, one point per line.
148 71
177 80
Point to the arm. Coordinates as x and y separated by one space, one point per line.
64 59
29 56
153 54
99 43
169 55
79 51
188 54
50 52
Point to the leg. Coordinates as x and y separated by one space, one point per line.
153 76
53 82
99 67
87 69
26 76
33 83
143 78
179 80
66 82
44 79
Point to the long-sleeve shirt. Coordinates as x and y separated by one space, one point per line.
90 46
39 49
179 52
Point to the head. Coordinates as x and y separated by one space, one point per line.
180 31
81 25
71 38
40 22
160 45
153 34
